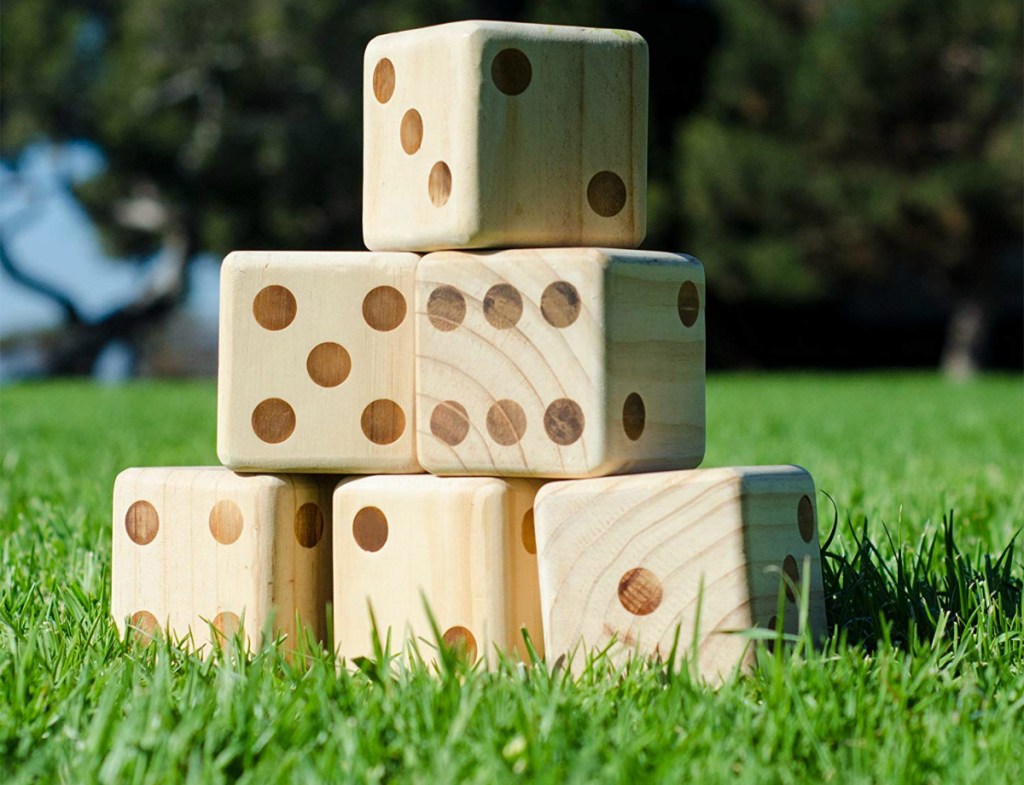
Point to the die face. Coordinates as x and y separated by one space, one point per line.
465 545
195 546
531 135
559 362
655 348
316 370
563 136
780 516
634 559
510 362
302 577
419 145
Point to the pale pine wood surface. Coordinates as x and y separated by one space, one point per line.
633 559
465 544
195 546
541 132
316 362
553 329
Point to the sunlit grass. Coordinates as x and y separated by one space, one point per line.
921 680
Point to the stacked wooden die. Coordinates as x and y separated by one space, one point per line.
549 378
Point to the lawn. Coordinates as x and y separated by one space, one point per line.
922 679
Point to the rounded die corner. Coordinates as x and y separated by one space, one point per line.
126 476
228 459
233 259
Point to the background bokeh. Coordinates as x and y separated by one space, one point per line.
849 172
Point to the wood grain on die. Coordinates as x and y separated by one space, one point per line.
633 559
316 362
494 134
229 550
466 544
563 362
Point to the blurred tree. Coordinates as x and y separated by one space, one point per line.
234 123
237 123
843 141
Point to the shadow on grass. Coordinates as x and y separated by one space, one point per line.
908 593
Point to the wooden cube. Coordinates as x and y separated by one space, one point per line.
201 546
466 544
562 362
316 362
703 552
492 134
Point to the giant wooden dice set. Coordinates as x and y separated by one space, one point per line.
549 378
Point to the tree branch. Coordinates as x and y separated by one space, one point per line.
83 346
72 315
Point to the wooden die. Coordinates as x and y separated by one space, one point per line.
493 134
699 554
559 362
316 362
466 545
195 547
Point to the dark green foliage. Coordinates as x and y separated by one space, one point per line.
840 140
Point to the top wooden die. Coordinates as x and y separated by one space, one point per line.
491 134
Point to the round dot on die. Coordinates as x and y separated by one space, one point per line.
328 364
606 194
370 529
503 306
411 131
528 532
688 303
384 80
560 304
564 421
449 422
274 307
439 184
226 623
506 422
640 591
384 308
226 522
446 308
309 525
792 572
273 420
383 421
144 627
141 522
805 518
462 641
511 71
634 416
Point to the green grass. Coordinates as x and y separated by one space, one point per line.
922 679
